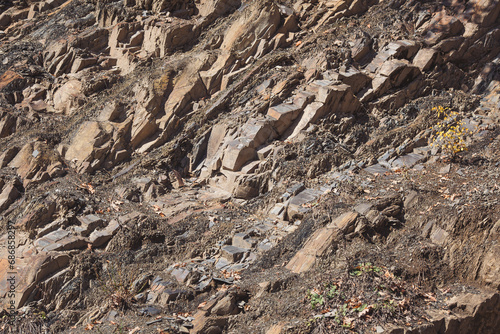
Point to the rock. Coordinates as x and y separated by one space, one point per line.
32 268
180 274
238 152
68 97
8 196
490 268
247 186
338 99
485 12
360 48
312 113
440 26
297 206
425 58
406 161
37 215
284 114
398 49
354 78
100 237
87 149
243 240
345 222
203 323
7 156
88 224
316 246
259 131
232 253
225 306
59 240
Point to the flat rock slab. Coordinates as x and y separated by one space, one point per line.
31 268
233 253
376 169
298 202
99 238
407 161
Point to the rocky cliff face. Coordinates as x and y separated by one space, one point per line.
234 166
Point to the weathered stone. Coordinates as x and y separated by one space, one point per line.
297 205
407 161
363 208
225 306
89 223
397 49
232 253
360 48
425 58
59 240
259 131
32 267
440 26
238 152
317 245
284 114
68 97
250 167
180 274
278 211
338 99
354 78
485 12
243 240
8 196
311 114
83 149
345 222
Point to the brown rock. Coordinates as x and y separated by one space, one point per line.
354 78
345 222
32 267
226 306
425 58
311 114
7 156
8 196
284 114
68 97
83 150
238 152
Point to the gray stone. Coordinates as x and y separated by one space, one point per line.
98 238
297 205
180 274
243 240
232 253
363 208
89 223
407 161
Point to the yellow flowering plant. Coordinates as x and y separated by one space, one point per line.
451 134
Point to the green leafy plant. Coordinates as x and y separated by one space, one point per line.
315 298
365 268
451 135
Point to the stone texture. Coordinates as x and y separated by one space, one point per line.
232 253
425 58
284 114
238 152
68 97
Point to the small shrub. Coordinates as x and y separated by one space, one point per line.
451 135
